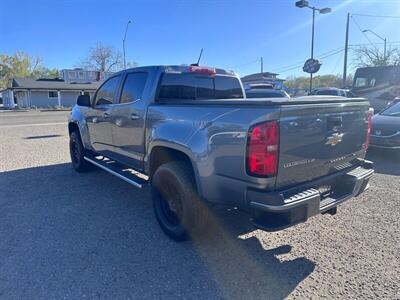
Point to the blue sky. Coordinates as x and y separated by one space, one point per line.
233 33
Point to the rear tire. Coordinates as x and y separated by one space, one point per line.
77 152
177 207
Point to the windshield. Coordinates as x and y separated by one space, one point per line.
327 92
361 82
392 111
266 94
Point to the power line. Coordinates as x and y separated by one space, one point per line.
325 55
379 43
365 35
328 54
244 64
337 63
376 16
302 61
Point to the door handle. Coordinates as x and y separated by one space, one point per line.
106 115
135 117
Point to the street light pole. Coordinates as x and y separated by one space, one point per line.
384 50
305 3
123 42
346 50
379 37
312 45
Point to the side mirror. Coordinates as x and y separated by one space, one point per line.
83 100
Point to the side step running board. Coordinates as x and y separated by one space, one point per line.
121 171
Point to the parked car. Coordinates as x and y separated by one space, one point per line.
395 100
331 91
266 93
386 128
191 135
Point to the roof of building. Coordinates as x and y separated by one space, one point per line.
55 84
261 76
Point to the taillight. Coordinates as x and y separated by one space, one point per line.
369 129
202 70
263 149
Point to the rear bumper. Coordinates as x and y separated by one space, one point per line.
279 210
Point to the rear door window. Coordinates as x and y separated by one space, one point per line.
196 87
133 87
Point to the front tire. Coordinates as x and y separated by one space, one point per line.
177 207
77 152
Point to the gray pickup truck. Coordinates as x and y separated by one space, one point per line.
190 134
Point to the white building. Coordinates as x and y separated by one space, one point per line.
82 76
62 91
26 92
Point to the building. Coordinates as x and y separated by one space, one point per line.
264 77
82 76
62 91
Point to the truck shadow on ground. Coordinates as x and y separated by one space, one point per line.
385 161
64 234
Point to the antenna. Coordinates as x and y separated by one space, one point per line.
198 61
262 65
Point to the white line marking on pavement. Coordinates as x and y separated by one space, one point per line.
27 125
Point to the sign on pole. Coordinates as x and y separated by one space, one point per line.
312 66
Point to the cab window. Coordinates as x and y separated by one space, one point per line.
187 86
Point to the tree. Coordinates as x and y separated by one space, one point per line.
328 80
21 64
102 58
372 56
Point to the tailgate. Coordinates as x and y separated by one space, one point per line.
320 139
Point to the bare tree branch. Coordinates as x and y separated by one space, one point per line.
371 56
102 58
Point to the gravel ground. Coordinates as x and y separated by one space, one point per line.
65 235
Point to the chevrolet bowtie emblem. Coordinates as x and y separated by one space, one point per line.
334 139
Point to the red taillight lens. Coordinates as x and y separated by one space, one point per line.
202 70
369 129
263 149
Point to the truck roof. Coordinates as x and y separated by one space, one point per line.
185 68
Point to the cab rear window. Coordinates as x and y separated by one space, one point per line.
186 86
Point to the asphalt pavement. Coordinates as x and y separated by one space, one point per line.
65 235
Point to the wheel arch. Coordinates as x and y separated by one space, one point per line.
73 127
161 153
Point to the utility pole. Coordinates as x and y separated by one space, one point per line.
123 42
262 65
346 50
